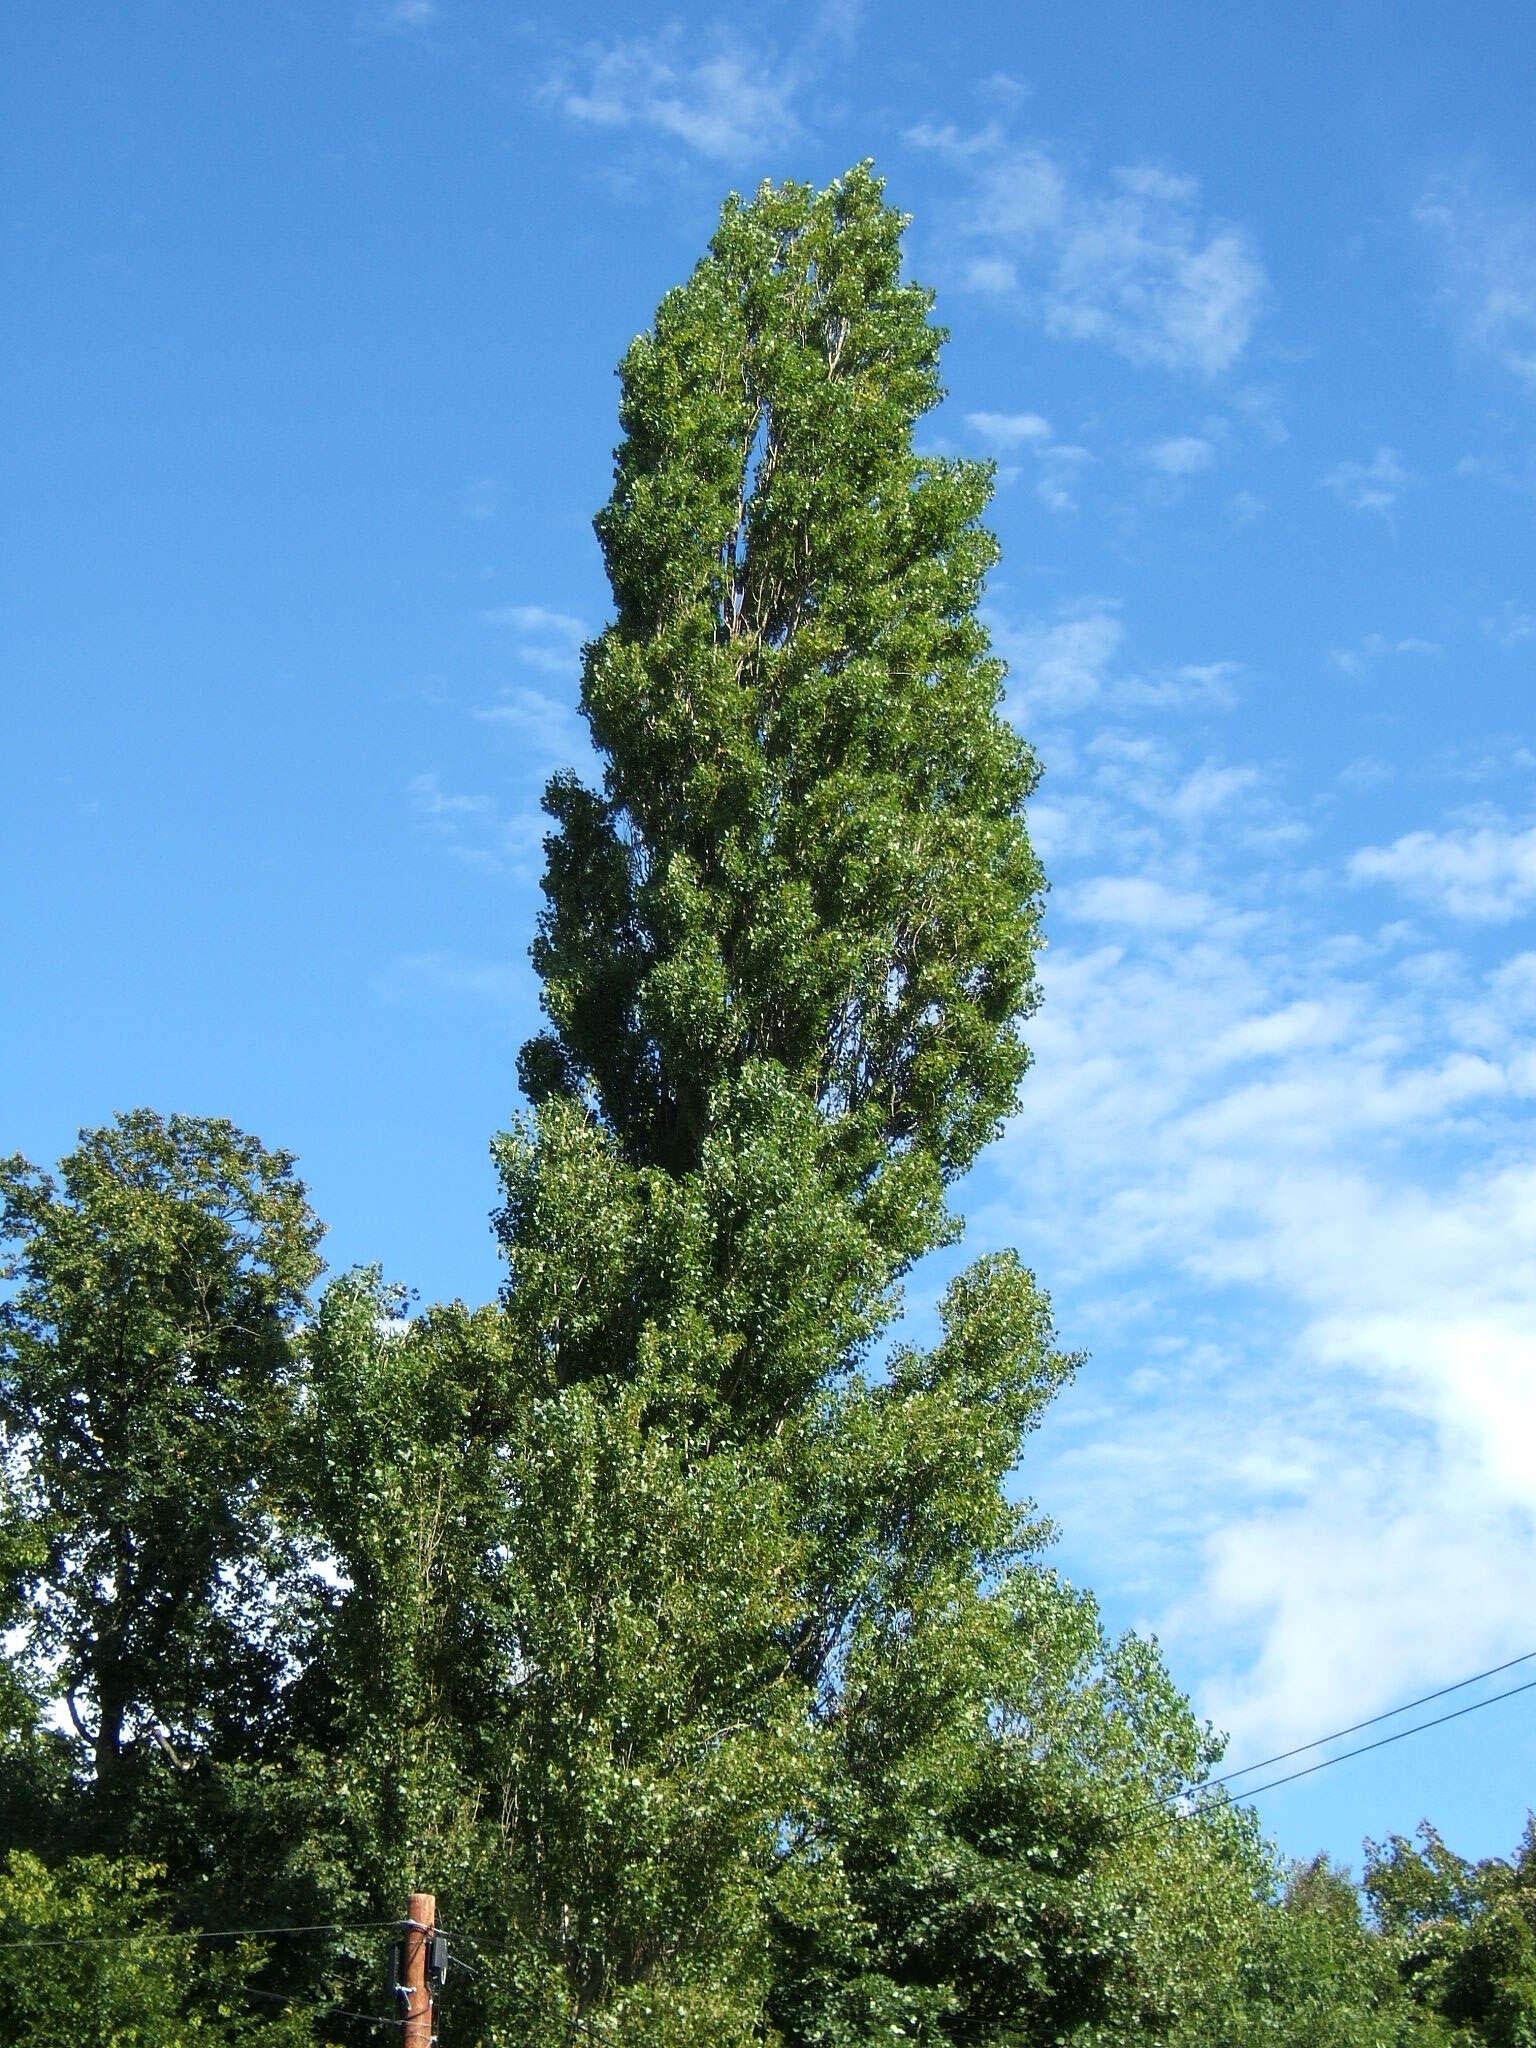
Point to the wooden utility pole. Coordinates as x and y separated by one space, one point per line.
420 1920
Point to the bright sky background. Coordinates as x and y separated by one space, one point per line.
310 317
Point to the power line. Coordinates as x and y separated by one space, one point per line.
1382 1742
194 1934
1373 1721
341 2012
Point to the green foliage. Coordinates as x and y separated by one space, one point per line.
1464 1935
1006 1863
115 1975
1303 1970
145 1377
809 849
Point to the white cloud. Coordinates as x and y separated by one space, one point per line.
1148 774
838 21
1485 873
1059 461
1510 626
1509 466
1133 265
475 830
1355 660
1011 429
548 729
727 104
1357 1586
1277 1166
1141 902
1064 665
1373 486
1002 85
1212 685
1264 408
1055 494
544 721
994 275
1221 1146
543 638
1181 454
396 17
1211 788
430 800
1487 252
1060 666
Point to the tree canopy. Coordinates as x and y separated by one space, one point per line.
144 1377
809 851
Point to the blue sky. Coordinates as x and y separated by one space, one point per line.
311 313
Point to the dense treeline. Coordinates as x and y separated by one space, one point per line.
667 1616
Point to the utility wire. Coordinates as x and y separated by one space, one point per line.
1374 1720
487 1946
1383 1741
484 1942
340 2012
193 1934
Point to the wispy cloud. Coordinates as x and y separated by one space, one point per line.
1133 264
1509 626
548 729
1487 253
1280 1169
396 17
1011 429
1373 486
725 103
1366 652
542 638
1064 664
1071 662
482 499
1141 903
474 828
1483 872
1181 454
1058 462
837 22
542 717
447 809
1004 88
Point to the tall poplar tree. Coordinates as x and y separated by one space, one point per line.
794 1731
808 859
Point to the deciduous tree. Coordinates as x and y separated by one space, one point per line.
146 1381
